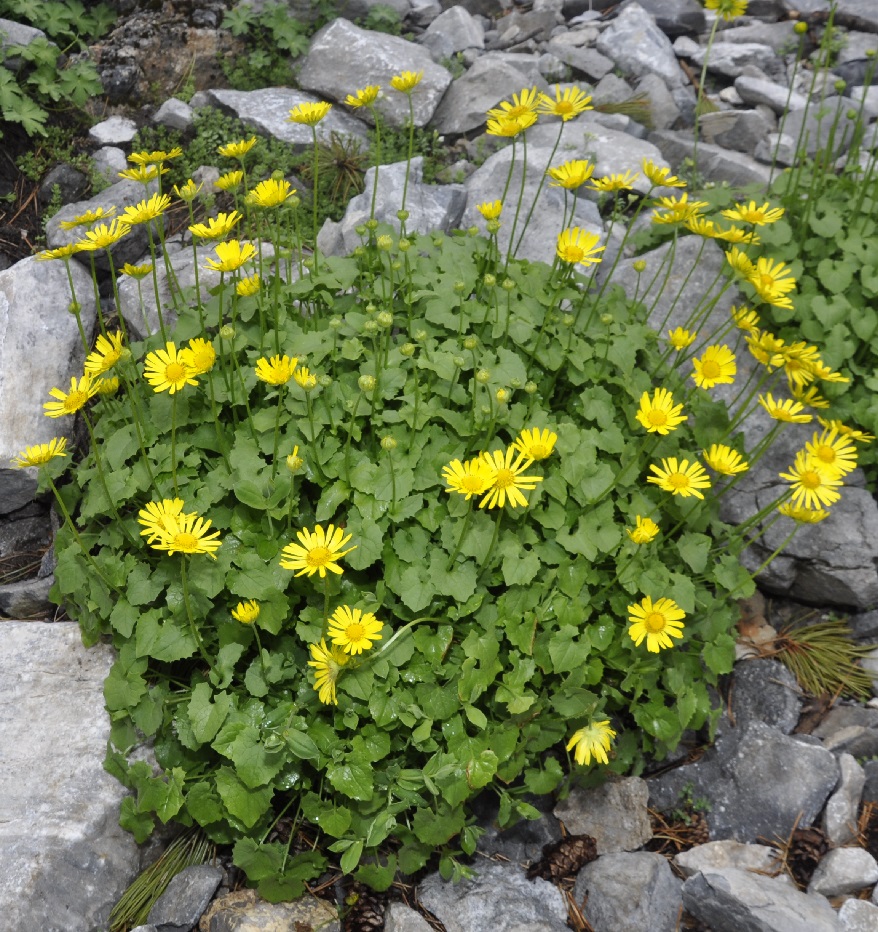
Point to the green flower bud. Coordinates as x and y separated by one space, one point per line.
851 114
839 85
800 28
367 383
607 319
405 245
486 410
502 396
507 284
371 308
472 231
871 53
459 287
490 280
372 224
515 383
359 251
385 319
74 307
458 361
438 241
385 242
335 323
639 266
492 226
308 262
530 387
470 342
294 462
370 326
396 265
402 215
324 380
388 443
420 335
294 201
483 376
227 332
360 229
408 349
568 320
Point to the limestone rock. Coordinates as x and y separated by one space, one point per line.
718 855
185 898
840 815
766 691
637 45
115 131
844 870
614 814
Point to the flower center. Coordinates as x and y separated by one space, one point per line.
826 454
186 542
203 359
471 483
654 622
678 480
74 401
538 451
811 479
516 113
575 254
767 281
355 632
504 478
318 556
710 369
175 372
657 417
562 107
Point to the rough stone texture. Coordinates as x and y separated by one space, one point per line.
175 114
766 691
115 131
760 783
584 62
675 17
614 814
822 122
40 350
636 44
245 911
858 916
663 110
185 898
402 918
731 59
840 815
755 91
844 870
734 900
850 728
523 842
714 162
266 111
453 31
27 598
108 162
341 53
740 130
499 896
718 855
857 14
66 858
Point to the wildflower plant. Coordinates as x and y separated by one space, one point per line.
374 538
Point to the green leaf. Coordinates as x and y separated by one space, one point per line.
719 656
351 858
569 649
205 715
694 549
352 779
436 828
243 802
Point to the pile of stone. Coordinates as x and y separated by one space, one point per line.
68 859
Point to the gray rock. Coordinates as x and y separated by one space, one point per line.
857 14
629 893
854 740
636 44
498 897
612 89
663 109
864 626
341 53
67 181
740 130
779 148
115 131
858 916
614 814
40 351
714 162
245 911
766 691
588 63
870 789
523 842
27 599
734 900
27 530
755 91
759 782
844 870
676 17
519 27
719 855
175 114
360 9
423 12
67 859
12 33
776 35
267 111
840 815
453 31
730 59
401 918
185 898
552 68
821 125
108 161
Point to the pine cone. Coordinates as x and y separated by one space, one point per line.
564 858
699 830
807 847
366 911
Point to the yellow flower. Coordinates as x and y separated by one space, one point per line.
644 531
576 245
506 479
187 533
229 181
353 630
62 252
136 271
593 740
364 97
772 281
567 104
189 191
724 460
766 348
825 374
536 444
216 227
661 176
143 173
509 127
248 286
146 211
680 338
167 370
42 453
107 352
305 378
406 81
270 193
740 263
737 235
308 113
680 478
88 218
199 356
658 622
716 367
156 157
527 102
81 390
294 461
803 515
231 256
659 414
108 386
318 552
570 174
155 517
490 210
745 319
676 209
103 236
799 360
750 213
328 664
850 432
701 226
810 397
835 452
784 410
727 9
246 612
619 181
276 371
811 484
237 150
468 479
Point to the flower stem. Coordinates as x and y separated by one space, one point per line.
463 530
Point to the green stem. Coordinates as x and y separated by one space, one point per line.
192 626
460 539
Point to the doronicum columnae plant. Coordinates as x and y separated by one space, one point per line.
373 535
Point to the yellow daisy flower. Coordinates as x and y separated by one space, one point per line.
784 410
619 181
143 173
644 530
535 443
103 236
507 479
509 127
167 370
850 432
406 81
216 227
136 271
803 515
364 97
676 209
246 612
319 551
328 664
309 114
766 348
62 252
566 104
230 181
237 150
593 740
189 191
740 263
716 366
270 193
199 356
248 286
353 630
570 174
835 452
750 213
810 397
772 281
680 478
42 453
661 176
155 517
659 414
108 386
723 459
657 621
88 218
156 157
305 379
812 485
745 319
81 390
727 9
468 479
107 352
146 211
523 104
490 210
680 338
189 534
576 245
276 371
231 256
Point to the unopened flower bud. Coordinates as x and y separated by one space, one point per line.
507 284
385 319
568 320
371 308
458 361
639 265
800 28
530 387
420 335
492 226
294 201
459 287
385 242
483 376
402 215
470 342
486 410
366 383
74 307
295 462
335 323
502 396
408 349
227 332
388 443
358 251
438 241
308 262
405 245
490 280
515 383
607 319
360 229
372 224
851 114
871 53
396 265
472 231
839 85
324 380
370 326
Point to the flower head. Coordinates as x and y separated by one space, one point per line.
230 181
766 348
680 478
727 9
310 114
294 461
156 516
850 432
535 443
618 181
833 451
328 664
156 157
812 484
103 236
468 479
316 552
522 104
108 386
42 453
107 352
507 479
723 459
657 621
143 173
237 150
772 281
189 191
566 104
88 218
353 630
740 263
146 211
745 319
62 252
246 612
576 245
270 193
784 410
593 740
490 210
660 176
304 378
231 256
803 515
199 356
659 414
570 174
364 96
680 338
167 370
136 271
644 530
81 390
187 533
676 209
276 371
750 213
216 227
406 81
715 367
510 127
